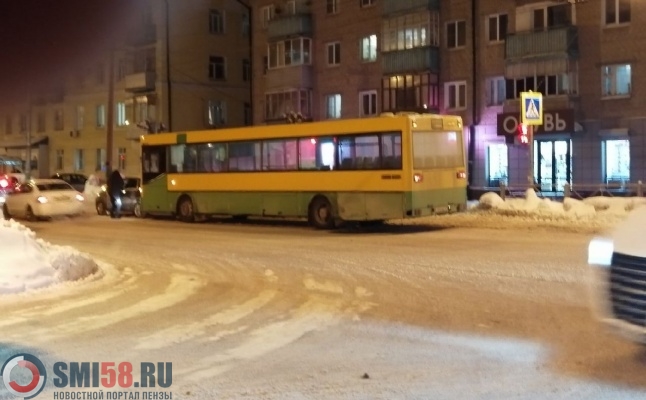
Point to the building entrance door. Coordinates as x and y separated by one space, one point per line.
553 164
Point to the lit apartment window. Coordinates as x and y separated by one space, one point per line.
121 117
216 21
617 12
616 154
290 7
279 104
333 53
217 69
368 103
333 106
246 70
100 116
410 92
367 3
122 158
41 121
410 31
332 6
456 34
497 27
101 156
496 93
369 48
216 113
60 155
616 80
497 164
8 126
455 95
59 121
289 52
80 117
78 160
267 14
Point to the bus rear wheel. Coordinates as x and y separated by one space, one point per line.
185 209
320 213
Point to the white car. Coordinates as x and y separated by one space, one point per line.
618 284
43 198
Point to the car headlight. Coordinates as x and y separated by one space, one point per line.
80 197
600 251
42 199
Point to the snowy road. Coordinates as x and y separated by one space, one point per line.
279 311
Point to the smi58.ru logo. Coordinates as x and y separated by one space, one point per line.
24 365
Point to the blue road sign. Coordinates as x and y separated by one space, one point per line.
531 108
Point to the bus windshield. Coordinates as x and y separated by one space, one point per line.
437 150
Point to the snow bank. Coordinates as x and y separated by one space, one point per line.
28 263
591 215
531 204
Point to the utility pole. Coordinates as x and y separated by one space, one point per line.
29 125
110 117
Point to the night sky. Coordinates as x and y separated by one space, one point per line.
41 39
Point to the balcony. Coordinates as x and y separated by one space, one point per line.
140 82
553 43
402 6
296 76
290 25
412 60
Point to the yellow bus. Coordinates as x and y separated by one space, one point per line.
368 169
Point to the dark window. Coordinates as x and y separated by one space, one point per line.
381 151
217 68
246 70
244 156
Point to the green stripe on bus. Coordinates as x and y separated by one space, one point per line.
181 138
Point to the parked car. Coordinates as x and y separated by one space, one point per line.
43 198
130 201
76 180
618 265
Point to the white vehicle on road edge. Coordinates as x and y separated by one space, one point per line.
618 285
43 198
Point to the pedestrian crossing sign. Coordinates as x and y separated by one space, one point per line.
532 108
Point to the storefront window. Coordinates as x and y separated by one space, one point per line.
616 155
497 164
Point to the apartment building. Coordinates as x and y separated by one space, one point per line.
355 58
182 65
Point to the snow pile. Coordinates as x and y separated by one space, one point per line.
532 205
591 215
28 263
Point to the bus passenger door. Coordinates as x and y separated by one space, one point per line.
155 195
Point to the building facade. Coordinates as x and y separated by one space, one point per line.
181 65
357 58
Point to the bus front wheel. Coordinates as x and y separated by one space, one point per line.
320 214
185 209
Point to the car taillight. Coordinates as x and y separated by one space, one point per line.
461 175
4 183
417 178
